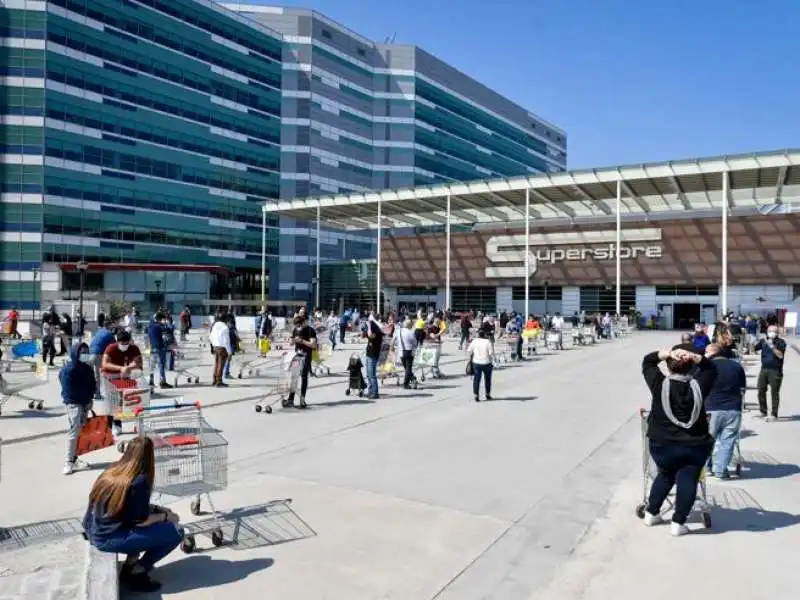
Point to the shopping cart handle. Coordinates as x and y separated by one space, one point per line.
171 406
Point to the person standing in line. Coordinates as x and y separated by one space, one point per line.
773 350
724 406
13 323
121 358
344 321
186 322
233 332
66 333
102 339
481 353
700 339
305 341
220 339
373 352
677 430
405 345
332 325
466 325
78 387
158 350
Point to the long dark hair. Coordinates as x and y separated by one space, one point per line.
113 485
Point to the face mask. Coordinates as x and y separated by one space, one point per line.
772 335
86 358
123 347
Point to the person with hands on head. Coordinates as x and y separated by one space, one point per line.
773 350
677 430
120 518
121 359
305 341
78 387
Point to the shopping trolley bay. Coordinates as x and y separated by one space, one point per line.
420 494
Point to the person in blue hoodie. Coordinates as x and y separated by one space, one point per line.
102 339
78 386
158 349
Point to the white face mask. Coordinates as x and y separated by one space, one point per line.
123 347
86 358
772 334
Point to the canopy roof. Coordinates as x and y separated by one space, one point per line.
757 181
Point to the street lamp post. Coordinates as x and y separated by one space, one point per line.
82 267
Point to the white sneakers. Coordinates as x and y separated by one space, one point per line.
678 530
650 520
69 468
675 529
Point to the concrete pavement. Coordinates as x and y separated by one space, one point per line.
427 494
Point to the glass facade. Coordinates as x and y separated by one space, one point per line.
152 131
136 132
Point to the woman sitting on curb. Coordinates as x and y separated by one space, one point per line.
121 519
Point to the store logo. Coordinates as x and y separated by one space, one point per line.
506 253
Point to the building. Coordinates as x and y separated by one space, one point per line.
150 133
142 132
360 115
696 237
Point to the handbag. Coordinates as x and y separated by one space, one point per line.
470 370
264 346
94 435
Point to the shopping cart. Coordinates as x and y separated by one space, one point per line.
649 472
426 361
285 380
126 397
318 358
191 460
554 340
511 343
15 381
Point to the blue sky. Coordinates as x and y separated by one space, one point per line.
630 81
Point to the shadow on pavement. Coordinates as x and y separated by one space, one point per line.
769 470
41 532
749 519
513 398
202 571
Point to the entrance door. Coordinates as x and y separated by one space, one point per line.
665 310
686 315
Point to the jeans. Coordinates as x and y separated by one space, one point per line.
156 541
161 357
227 368
678 465
332 338
772 379
98 360
464 338
76 418
342 330
372 376
724 426
482 371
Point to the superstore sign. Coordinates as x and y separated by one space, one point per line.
553 248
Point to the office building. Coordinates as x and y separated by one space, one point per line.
361 115
144 134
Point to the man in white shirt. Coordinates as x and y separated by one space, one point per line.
405 344
481 354
220 339
558 322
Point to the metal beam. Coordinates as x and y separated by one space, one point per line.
493 212
673 179
510 204
632 195
584 195
783 176
556 206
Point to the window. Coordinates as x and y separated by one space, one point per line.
362 52
686 290
603 298
475 298
537 292
327 34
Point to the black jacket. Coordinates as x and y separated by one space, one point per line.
659 427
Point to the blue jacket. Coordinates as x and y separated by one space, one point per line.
77 380
101 340
700 341
156 333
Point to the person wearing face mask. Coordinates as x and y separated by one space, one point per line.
120 360
78 386
772 351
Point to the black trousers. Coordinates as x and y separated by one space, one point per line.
773 379
408 364
342 330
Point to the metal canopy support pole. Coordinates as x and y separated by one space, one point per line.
724 290
378 267
316 291
527 253
618 248
263 256
447 258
